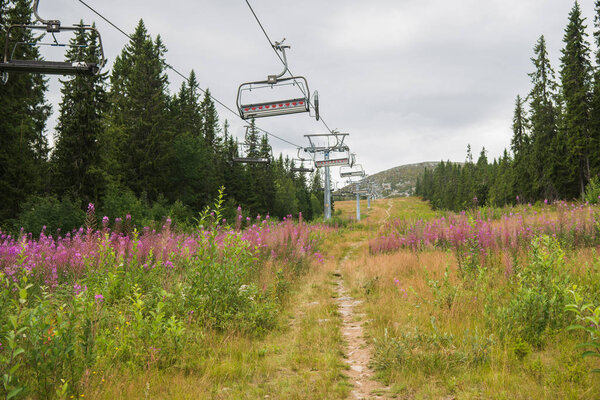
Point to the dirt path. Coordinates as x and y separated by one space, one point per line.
357 352
387 212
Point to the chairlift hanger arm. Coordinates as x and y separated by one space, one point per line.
278 46
52 25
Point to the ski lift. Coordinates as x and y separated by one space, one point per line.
247 158
9 64
352 171
250 109
302 161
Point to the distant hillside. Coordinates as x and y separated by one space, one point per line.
400 181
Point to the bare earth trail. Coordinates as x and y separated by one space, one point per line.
357 350
387 211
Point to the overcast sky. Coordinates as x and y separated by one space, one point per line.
410 80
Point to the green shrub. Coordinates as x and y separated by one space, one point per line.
536 306
592 191
587 318
51 212
118 202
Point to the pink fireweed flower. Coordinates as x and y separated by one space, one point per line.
77 288
99 298
91 207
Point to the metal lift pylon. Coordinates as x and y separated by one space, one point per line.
341 156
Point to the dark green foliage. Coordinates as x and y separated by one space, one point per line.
139 119
543 122
576 80
76 157
595 98
23 114
51 213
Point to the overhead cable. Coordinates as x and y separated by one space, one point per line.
188 80
281 59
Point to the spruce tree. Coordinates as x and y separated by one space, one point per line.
595 100
543 121
191 156
23 115
140 130
576 78
521 148
76 157
213 174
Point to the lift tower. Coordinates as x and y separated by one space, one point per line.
328 149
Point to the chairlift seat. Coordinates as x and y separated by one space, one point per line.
50 67
332 162
250 160
352 173
302 169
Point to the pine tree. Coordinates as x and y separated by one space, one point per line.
76 158
576 77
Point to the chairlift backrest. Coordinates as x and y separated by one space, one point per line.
8 64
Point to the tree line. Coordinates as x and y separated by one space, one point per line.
125 144
555 148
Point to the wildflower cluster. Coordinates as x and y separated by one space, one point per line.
572 224
113 295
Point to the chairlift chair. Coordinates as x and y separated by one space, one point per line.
250 160
302 161
354 171
247 158
9 64
271 108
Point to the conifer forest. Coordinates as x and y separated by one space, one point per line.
156 244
